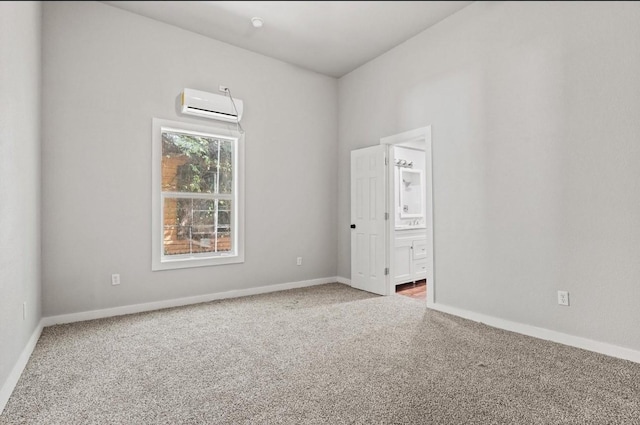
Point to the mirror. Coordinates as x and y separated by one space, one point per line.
410 193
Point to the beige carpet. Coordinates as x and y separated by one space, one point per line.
322 355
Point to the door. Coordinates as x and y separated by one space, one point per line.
368 223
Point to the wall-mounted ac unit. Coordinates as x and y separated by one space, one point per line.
211 105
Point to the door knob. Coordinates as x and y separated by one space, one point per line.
353 226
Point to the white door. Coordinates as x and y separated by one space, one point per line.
368 224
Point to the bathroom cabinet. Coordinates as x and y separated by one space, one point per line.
410 255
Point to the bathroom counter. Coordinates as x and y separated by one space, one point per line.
410 228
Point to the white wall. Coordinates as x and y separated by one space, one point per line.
534 110
19 178
107 72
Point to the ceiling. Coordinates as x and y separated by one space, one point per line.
329 37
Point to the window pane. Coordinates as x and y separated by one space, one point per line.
223 242
193 226
226 167
197 164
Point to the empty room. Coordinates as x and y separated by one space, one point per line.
319 212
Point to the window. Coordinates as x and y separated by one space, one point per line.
197 195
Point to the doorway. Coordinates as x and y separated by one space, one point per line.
410 241
392 214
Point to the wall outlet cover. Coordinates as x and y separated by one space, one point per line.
563 298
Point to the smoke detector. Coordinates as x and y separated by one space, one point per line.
257 22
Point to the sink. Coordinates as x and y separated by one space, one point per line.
410 226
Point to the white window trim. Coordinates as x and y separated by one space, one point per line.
160 262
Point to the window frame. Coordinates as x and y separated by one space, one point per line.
179 261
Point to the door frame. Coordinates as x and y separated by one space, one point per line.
422 133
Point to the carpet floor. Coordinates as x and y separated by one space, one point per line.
328 354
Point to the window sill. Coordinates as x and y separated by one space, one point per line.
185 263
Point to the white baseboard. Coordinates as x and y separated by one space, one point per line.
14 376
157 305
542 333
344 280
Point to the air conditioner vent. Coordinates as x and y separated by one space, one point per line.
211 105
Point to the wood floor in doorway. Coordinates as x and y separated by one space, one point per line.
416 290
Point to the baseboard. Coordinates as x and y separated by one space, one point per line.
344 280
542 333
14 376
177 302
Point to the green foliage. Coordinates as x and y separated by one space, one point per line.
209 165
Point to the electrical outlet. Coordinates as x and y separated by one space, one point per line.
115 279
299 261
24 310
563 298
223 89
